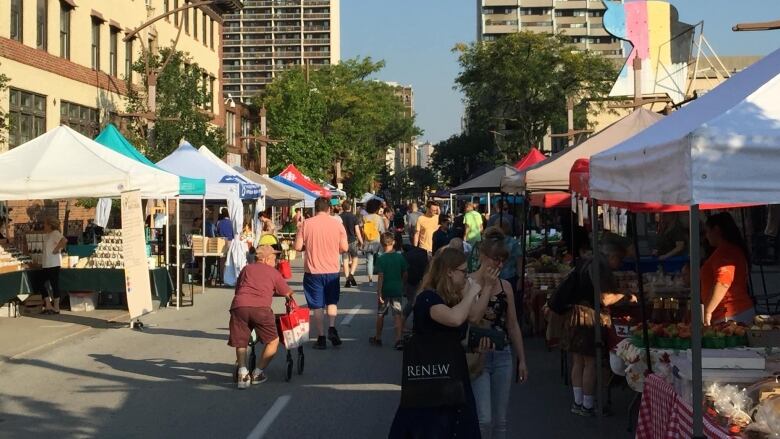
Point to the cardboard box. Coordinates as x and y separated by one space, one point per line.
83 302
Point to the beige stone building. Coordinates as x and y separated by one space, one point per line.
269 36
68 62
580 19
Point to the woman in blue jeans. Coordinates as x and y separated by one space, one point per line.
496 311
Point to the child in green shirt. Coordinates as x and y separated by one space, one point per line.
391 268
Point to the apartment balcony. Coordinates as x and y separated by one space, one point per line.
228 81
256 30
231 30
257 68
501 3
568 20
257 3
316 2
287 29
536 19
316 29
287 42
231 42
505 29
537 3
257 16
257 42
317 16
257 80
572 4
313 41
317 54
602 47
598 31
500 17
232 68
231 55
287 54
257 55
594 4
287 16
573 31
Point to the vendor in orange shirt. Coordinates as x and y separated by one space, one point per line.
724 284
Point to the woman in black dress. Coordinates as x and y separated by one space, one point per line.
442 310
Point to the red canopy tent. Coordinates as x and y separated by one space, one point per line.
551 200
579 180
533 157
291 173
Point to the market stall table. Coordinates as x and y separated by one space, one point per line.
81 250
113 280
12 284
664 414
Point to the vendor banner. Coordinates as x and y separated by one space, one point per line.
137 286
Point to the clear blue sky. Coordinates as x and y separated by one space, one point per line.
414 37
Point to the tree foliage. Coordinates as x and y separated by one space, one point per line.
408 184
335 113
182 99
464 156
3 113
519 83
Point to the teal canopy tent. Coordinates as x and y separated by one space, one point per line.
110 137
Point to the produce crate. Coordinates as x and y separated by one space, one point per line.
199 244
217 245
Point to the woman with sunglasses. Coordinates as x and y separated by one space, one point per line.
441 310
495 310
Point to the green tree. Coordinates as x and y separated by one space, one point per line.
408 184
3 113
182 99
460 157
519 84
335 113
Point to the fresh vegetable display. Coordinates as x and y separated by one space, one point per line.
678 335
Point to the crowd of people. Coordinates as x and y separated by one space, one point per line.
458 280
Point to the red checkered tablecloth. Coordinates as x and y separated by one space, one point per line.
664 415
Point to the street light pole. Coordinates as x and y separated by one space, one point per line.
152 74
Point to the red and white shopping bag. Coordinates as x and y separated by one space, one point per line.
293 326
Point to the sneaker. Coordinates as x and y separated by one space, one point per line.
320 343
347 284
587 412
352 280
576 408
333 336
373 341
259 377
244 381
370 284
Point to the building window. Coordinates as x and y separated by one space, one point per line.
176 15
95 44
65 30
195 23
203 29
27 114
204 84
80 118
167 8
230 128
185 16
211 31
129 61
113 62
212 80
42 25
16 20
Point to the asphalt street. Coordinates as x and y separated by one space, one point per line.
174 379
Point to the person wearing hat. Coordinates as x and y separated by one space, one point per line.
251 310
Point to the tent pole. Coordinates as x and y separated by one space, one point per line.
203 259
523 251
488 205
178 253
595 275
167 241
641 291
696 322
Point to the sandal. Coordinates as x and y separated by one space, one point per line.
375 341
399 345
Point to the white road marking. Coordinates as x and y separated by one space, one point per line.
350 315
270 416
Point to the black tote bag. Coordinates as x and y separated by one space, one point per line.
434 368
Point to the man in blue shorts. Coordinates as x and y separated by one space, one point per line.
324 241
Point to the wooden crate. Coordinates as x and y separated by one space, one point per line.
217 245
199 244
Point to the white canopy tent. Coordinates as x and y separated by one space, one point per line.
47 167
723 148
552 174
368 196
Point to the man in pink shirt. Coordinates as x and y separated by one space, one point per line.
323 240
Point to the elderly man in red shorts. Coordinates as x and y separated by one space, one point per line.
251 309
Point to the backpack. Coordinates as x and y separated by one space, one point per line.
370 229
562 299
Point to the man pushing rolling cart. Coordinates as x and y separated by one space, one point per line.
252 319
